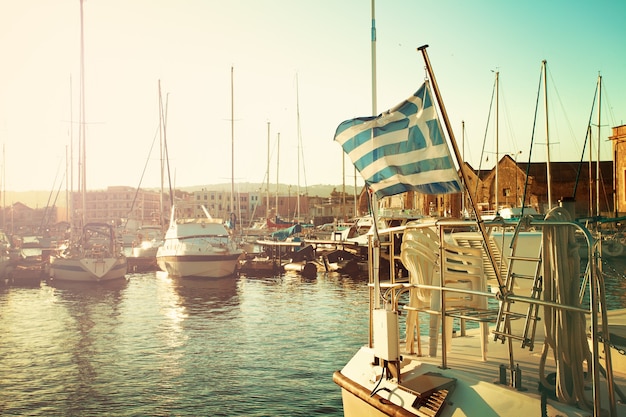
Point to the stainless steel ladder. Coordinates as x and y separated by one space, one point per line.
503 328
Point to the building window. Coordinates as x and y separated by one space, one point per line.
506 192
624 193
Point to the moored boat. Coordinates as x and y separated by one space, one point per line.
492 369
532 361
291 255
197 246
142 256
94 257
278 223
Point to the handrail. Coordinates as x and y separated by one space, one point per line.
596 312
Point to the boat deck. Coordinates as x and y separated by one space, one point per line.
464 362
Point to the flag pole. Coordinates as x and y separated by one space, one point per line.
459 159
373 201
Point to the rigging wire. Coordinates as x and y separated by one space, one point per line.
143 173
507 114
569 124
46 210
532 141
587 138
482 153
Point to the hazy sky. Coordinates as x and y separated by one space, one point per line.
315 53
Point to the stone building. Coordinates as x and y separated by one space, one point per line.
618 139
570 181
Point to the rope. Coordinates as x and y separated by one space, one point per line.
564 330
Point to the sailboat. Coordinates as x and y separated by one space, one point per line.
94 255
149 237
607 226
472 374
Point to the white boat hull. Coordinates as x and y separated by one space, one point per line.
197 247
87 269
475 375
203 266
471 396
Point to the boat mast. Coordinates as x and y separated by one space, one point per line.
497 188
590 166
267 176
355 194
598 147
343 189
83 170
545 100
69 191
161 152
232 144
277 161
299 149
4 193
463 156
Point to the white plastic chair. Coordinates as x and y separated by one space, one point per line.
462 268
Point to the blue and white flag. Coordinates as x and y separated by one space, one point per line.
402 149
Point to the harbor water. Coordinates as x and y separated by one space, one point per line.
156 346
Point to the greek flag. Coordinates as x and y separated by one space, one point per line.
402 149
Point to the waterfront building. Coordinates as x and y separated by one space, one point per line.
119 204
20 219
618 139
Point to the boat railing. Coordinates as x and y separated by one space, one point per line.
467 299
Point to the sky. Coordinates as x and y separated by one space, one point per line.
242 77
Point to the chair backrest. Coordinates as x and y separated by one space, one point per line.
475 240
463 268
419 254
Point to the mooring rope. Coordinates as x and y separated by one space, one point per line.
564 330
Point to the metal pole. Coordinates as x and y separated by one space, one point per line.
457 154
598 147
267 175
497 187
545 100
232 144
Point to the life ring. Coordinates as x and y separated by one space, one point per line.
612 247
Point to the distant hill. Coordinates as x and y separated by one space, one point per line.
33 199
40 199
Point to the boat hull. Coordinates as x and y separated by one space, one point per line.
87 269
203 266
142 263
142 259
471 396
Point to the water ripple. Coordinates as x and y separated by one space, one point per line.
155 346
